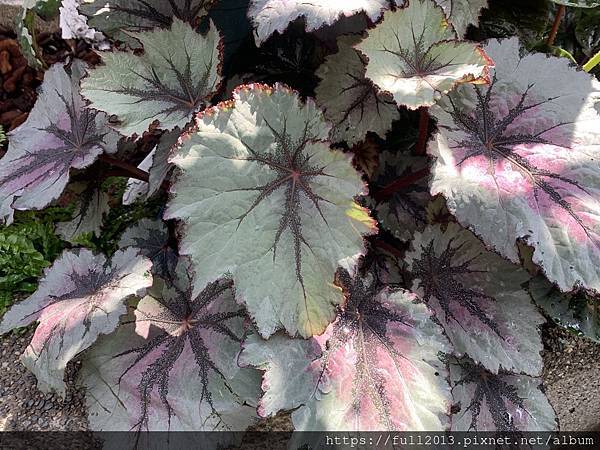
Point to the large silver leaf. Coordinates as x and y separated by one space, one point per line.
80 297
60 134
477 297
350 100
414 55
176 76
484 401
176 367
520 159
263 199
375 368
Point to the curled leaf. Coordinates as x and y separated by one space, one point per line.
262 198
526 151
270 16
349 100
175 368
413 54
79 298
177 75
477 297
60 134
375 368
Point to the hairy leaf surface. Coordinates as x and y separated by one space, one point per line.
60 134
119 18
176 368
270 16
414 55
80 297
404 212
497 402
262 199
176 76
151 237
92 205
520 159
477 297
349 100
575 311
376 367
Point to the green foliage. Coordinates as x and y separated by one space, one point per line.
26 248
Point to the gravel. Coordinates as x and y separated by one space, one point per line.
571 379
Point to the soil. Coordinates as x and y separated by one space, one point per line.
571 379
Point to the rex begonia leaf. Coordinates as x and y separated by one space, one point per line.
270 16
413 54
462 13
176 367
404 211
578 3
119 18
261 198
575 311
151 238
176 76
60 134
79 298
376 367
349 100
92 204
156 163
520 159
484 401
477 297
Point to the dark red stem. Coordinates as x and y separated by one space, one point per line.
554 31
423 131
125 169
400 183
387 247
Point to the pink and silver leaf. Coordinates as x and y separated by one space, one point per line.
524 154
174 368
79 298
376 367
477 297
60 134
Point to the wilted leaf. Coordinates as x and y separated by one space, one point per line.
497 402
349 100
414 55
477 297
263 199
119 18
176 76
80 297
60 133
462 13
176 368
376 367
92 205
575 311
404 211
270 16
151 238
525 151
